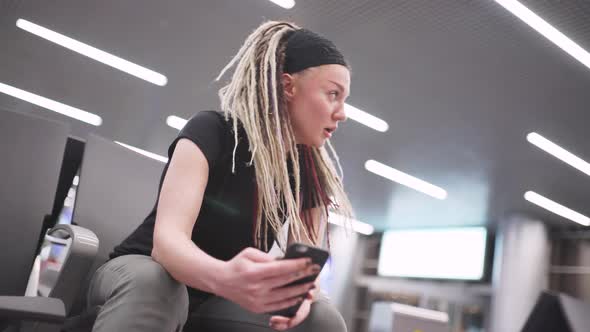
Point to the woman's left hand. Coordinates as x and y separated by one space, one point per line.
281 323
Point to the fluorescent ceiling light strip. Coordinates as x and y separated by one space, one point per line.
93 53
51 105
547 30
176 122
365 118
357 226
558 152
420 312
144 152
405 179
287 4
556 208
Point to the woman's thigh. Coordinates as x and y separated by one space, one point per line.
217 314
134 293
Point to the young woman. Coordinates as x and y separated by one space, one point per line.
233 179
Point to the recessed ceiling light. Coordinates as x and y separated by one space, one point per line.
558 152
365 118
93 53
287 4
547 30
176 122
144 152
405 179
357 226
556 208
51 105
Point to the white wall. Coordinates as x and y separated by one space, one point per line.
347 252
520 271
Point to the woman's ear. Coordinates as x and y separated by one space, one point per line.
288 82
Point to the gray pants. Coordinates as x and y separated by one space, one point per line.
135 293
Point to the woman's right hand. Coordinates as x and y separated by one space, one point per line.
254 280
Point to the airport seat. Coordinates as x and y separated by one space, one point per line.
31 150
116 191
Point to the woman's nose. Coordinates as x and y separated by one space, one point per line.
340 114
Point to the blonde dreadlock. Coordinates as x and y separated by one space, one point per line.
254 96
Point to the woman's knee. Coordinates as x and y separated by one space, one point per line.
149 276
324 316
143 276
137 288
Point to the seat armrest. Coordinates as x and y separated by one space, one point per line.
77 264
38 309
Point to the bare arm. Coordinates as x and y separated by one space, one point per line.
253 279
179 204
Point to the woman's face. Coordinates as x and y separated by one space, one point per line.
315 102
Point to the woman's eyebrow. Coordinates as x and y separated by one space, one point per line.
342 90
338 84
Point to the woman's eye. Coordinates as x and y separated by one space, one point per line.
334 93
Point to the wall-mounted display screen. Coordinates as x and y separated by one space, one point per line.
441 253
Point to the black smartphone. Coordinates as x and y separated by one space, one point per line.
299 250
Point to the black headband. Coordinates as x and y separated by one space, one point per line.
307 49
